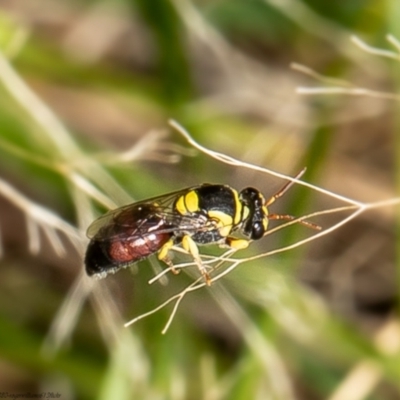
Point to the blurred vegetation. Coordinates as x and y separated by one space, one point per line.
318 322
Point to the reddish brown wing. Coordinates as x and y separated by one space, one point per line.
135 219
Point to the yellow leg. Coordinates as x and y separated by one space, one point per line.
191 247
237 244
163 256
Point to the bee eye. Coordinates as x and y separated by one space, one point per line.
257 230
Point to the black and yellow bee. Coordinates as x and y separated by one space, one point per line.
199 215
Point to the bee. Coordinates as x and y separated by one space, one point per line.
198 215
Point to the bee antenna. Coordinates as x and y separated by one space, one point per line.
284 189
287 217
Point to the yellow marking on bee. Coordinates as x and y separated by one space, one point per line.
265 220
224 221
180 205
238 207
190 246
246 212
237 244
188 203
192 201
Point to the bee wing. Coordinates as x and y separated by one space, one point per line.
140 218
103 221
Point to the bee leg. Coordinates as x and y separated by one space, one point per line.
191 247
163 256
237 244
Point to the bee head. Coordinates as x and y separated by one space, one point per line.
254 223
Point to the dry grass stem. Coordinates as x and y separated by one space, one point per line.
67 315
348 91
374 50
341 87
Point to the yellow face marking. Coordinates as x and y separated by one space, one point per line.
265 220
246 212
224 221
238 207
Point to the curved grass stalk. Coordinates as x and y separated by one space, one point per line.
232 161
376 51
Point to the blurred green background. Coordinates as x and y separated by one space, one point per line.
318 322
